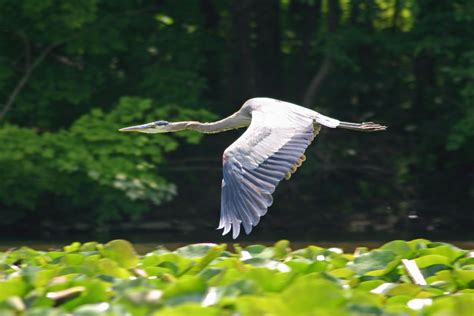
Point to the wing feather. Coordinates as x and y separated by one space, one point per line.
256 162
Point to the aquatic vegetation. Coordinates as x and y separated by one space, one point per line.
417 277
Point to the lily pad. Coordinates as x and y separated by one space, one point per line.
307 294
195 250
400 247
431 260
122 252
450 252
206 279
375 263
190 309
15 286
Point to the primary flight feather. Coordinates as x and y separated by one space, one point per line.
269 150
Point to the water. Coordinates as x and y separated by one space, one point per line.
144 247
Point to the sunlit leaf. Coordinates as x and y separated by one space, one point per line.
450 252
195 250
430 260
189 309
187 288
325 296
112 279
122 252
13 287
400 247
375 263
209 256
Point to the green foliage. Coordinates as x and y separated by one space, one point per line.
61 152
205 279
117 173
408 64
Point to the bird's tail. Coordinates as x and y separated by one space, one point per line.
326 120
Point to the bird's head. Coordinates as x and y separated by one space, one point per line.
150 128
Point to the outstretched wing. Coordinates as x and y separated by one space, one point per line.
253 165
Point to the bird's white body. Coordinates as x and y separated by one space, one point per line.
269 150
282 108
275 122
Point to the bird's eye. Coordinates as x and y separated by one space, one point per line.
161 123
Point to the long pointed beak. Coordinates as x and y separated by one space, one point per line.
136 128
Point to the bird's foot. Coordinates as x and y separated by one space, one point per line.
372 127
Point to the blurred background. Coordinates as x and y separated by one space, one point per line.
73 72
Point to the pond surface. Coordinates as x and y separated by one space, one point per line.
144 247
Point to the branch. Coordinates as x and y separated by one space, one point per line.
30 67
396 14
316 82
332 23
24 79
26 43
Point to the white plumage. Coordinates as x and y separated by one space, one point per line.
269 150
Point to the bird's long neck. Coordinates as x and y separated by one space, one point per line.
234 121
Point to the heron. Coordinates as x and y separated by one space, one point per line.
270 150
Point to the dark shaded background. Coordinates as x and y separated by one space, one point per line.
72 72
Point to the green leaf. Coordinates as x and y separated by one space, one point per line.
235 289
95 292
92 309
72 259
43 277
400 247
282 249
189 309
404 289
375 263
185 289
299 264
430 260
460 305
418 244
325 296
122 252
74 247
171 261
270 280
465 278
109 267
260 251
195 250
45 311
369 285
93 279
344 273
448 251
13 287
399 299
212 254
364 298
263 305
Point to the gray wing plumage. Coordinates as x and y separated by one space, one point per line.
255 164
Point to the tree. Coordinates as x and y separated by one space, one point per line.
71 73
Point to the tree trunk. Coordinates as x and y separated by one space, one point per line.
212 67
243 66
305 17
268 55
326 65
24 79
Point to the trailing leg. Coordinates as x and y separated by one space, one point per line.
362 127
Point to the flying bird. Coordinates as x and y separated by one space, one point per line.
272 148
